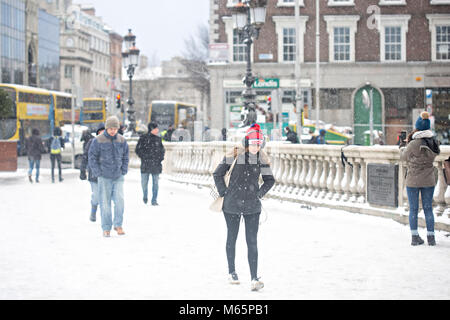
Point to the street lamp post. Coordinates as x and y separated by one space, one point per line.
130 59
248 18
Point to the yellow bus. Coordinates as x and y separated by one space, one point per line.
174 113
93 112
62 102
33 109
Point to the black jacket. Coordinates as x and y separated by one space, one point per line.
292 137
35 147
151 151
243 193
85 162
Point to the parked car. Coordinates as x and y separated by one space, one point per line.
66 154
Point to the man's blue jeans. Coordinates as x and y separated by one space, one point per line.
94 196
144 181
111 190
32 163
427 204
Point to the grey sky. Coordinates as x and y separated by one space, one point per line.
159 25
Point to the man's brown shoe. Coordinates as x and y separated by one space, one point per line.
107 234
119 231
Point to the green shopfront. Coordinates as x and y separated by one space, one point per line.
282 90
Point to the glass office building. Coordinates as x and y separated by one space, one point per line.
12 41
48 57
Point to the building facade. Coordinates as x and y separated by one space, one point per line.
13 41
397 49
170 81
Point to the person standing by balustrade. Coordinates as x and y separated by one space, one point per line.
419 151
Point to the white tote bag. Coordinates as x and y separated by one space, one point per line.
217 204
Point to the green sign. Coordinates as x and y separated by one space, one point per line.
269 83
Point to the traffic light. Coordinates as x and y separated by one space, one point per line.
118 101
269 103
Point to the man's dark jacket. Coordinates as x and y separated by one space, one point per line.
151 151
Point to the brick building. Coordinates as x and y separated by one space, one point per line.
399 49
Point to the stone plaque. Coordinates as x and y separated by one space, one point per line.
382 184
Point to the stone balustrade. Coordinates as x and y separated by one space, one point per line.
312 175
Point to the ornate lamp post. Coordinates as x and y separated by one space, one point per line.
249 16
130 59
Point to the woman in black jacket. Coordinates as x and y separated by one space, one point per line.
35 149
242 198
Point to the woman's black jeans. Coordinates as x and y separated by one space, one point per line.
251 235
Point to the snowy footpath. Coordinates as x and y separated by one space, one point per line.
50 250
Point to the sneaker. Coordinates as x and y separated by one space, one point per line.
233 278
431 241
61 179
417 241
93 217
37 180
30 179
257 284
119 231
145 200
107 234
155 204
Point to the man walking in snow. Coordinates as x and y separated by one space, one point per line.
151 152
108 160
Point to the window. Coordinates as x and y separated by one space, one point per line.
393 29
289 45
440 40
232 3
392 2
392 43
239 48
440 2
68 71
341 30
335 3
443 42
287 38
341 44
289 3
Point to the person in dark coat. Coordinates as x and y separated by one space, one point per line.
291 135
86 136
35 148
108 160
92 179
151 152
168 135
421 178
56 146
224 134
242 198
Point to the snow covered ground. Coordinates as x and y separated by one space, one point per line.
50 250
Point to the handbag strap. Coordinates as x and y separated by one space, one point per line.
228 174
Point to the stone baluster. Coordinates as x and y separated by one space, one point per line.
345 185
331 177
303 177
287 171
279 174
292 170
275 165
297 175
309 178
447 202
338 180
354 182
316 178
323 178
362 182
439 192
